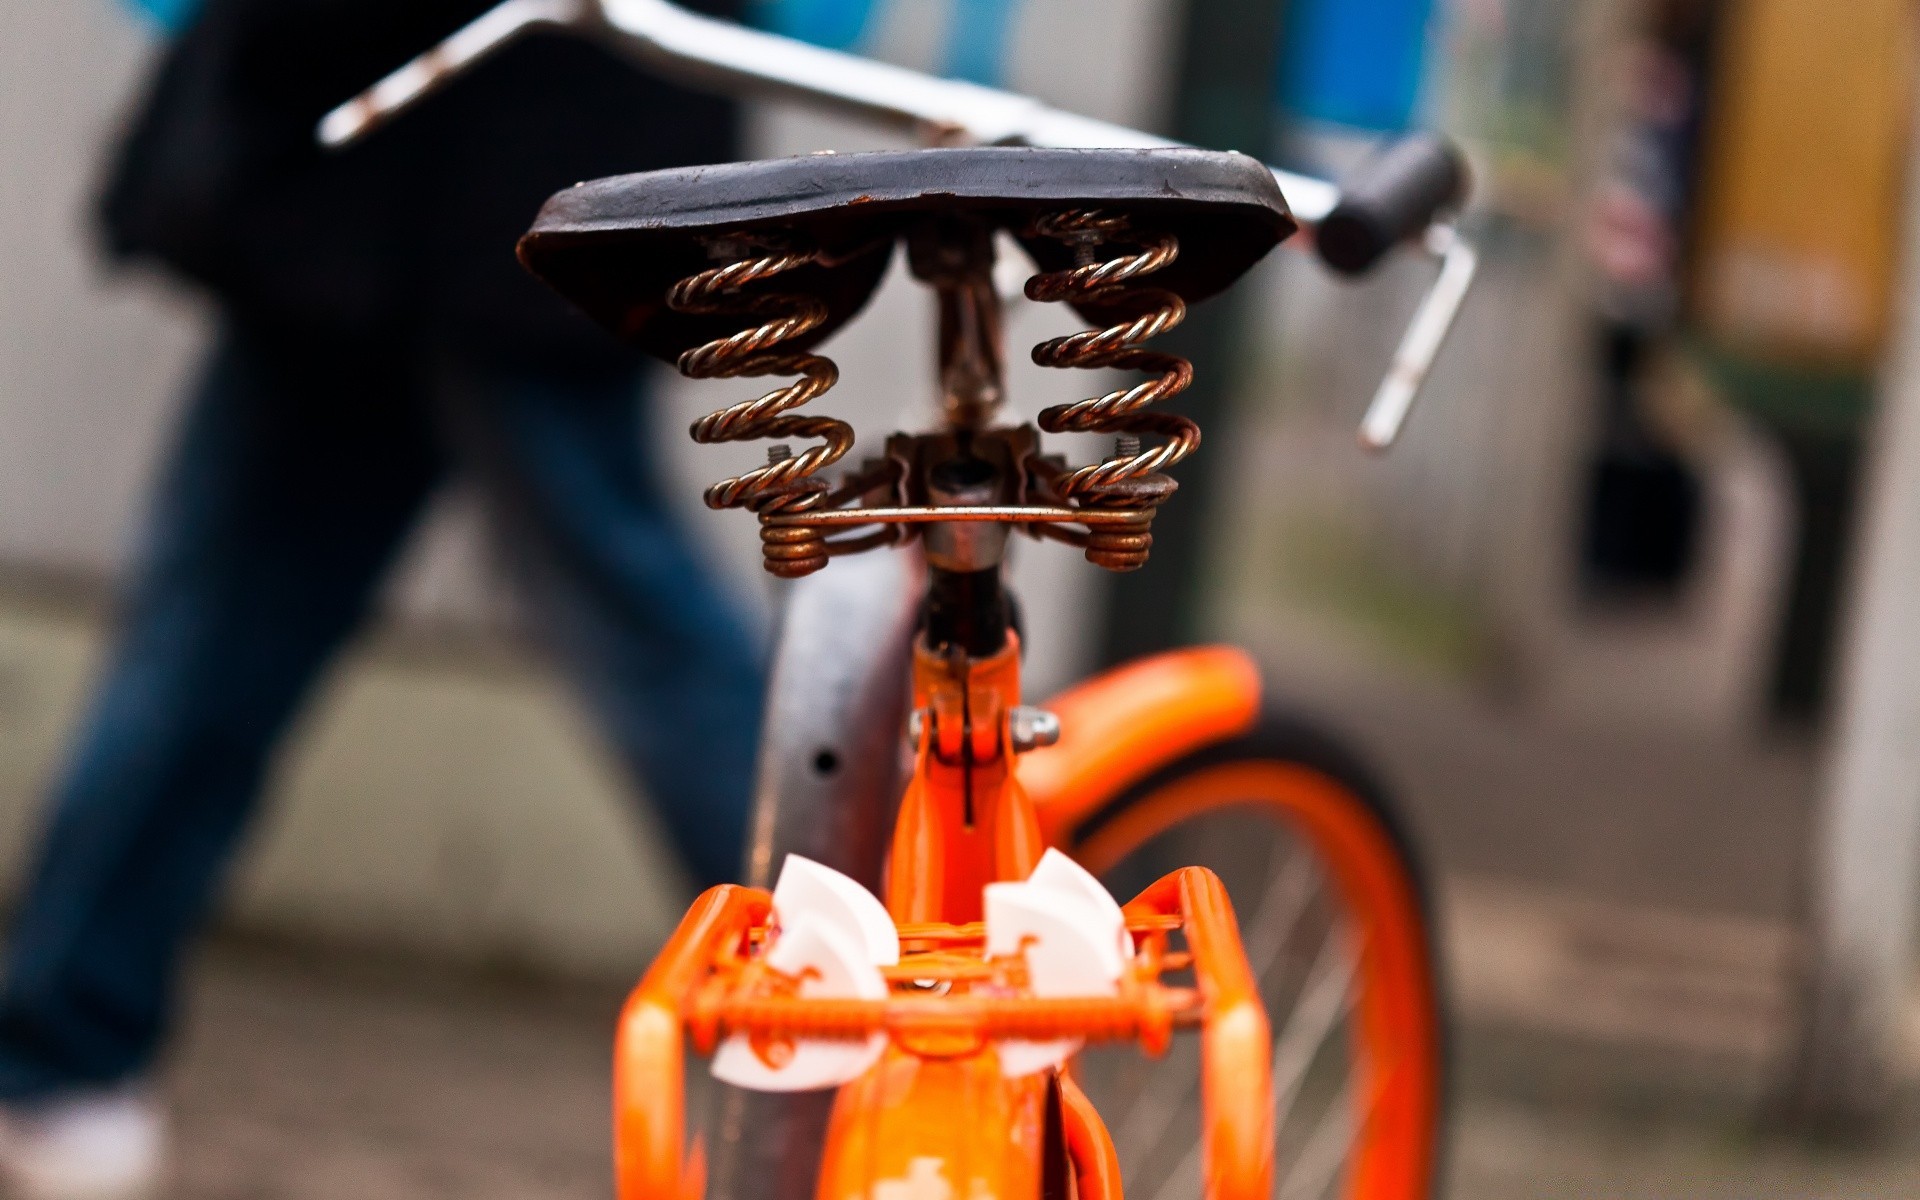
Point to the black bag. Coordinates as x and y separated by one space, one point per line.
410 233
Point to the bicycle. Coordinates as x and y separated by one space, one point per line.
947 1022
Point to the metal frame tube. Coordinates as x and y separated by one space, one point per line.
839 689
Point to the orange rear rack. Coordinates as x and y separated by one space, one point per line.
949 1001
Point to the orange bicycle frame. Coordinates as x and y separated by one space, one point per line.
968 818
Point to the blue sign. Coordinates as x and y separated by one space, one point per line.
1353 62
975 47
835 24
170 15
977 36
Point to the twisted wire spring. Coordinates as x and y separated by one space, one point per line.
785 484
1121 410
752 353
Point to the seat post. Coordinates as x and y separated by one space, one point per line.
954 254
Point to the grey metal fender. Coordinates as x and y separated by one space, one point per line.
831 768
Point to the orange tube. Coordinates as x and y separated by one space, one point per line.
1096 1165
915 1127
964 822
1122 726
1236 1073
649 1119
916 870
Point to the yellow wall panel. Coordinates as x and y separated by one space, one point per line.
1800 193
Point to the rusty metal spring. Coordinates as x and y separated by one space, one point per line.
1133 476
786 484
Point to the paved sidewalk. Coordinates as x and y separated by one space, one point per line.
330 1081
1505 1152
1638 813
322 1080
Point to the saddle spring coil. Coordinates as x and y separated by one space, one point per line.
1133 477
786 483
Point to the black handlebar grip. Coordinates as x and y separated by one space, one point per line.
1396 194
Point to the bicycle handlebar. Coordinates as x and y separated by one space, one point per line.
1404 193
1390 199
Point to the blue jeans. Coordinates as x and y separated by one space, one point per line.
298 471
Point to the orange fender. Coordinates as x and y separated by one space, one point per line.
936 1127
1122 726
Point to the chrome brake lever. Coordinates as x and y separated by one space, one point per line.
1420 345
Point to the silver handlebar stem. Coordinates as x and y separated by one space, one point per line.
1420 346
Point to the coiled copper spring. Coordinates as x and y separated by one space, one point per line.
786 483
1133 476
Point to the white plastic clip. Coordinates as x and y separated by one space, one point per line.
807 887
1073 936
833 936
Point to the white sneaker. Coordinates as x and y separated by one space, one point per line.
101 1144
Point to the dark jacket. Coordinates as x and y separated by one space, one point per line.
411 232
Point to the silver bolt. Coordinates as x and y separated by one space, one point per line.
1032 728
1126 445
778 454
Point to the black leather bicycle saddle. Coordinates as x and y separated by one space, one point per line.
614 246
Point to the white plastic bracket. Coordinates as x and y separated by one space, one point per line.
1073 936
833 936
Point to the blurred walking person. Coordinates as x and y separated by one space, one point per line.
376 339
